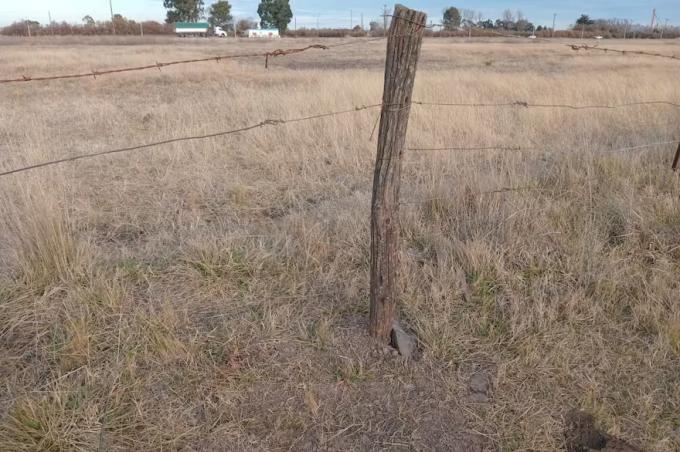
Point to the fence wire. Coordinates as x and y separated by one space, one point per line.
281 121
266 122
545 150
159 65
577 47
524 104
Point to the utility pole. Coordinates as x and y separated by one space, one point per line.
295 24
113 23
653 19
583 30
141 29
49 16
663 29
552 33
28 27
385 18
362 21
351 19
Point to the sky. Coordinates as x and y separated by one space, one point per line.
341 14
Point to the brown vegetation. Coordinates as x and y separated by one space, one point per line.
214 294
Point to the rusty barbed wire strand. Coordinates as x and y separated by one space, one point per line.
525 104
266 122
545 150
480 148
641 146
478 193
577 47
159 65
533 187
269 122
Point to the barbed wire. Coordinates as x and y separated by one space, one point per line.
525 104
480 148
276 122
478 193
284 52
577 47
266 122
546 150
502 190
159 65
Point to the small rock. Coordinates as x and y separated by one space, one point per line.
582 435
402 341
580 432
479 397
479 383
479 387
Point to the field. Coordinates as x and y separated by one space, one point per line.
213 294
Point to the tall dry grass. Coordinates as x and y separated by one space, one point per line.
213 294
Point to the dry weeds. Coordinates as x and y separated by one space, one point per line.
213 295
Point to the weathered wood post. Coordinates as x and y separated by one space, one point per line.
403 48
677 158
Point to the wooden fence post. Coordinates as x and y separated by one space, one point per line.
677 158
403 48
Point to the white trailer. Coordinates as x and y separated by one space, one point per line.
184 29
263 33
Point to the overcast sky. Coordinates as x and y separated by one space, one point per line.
336 13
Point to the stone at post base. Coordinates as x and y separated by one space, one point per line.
402 341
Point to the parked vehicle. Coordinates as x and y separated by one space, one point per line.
184 29
219 32
262 33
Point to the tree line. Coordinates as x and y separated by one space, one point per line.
457 19
278 14
273 14
88 27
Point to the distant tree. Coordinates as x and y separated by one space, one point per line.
375 26
488 23
357 28
539 28
451 19
508 16
220 14
245 24
88 21
183 10
275 14
523 25
584 20
469 16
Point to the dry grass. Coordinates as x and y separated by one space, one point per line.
213 294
